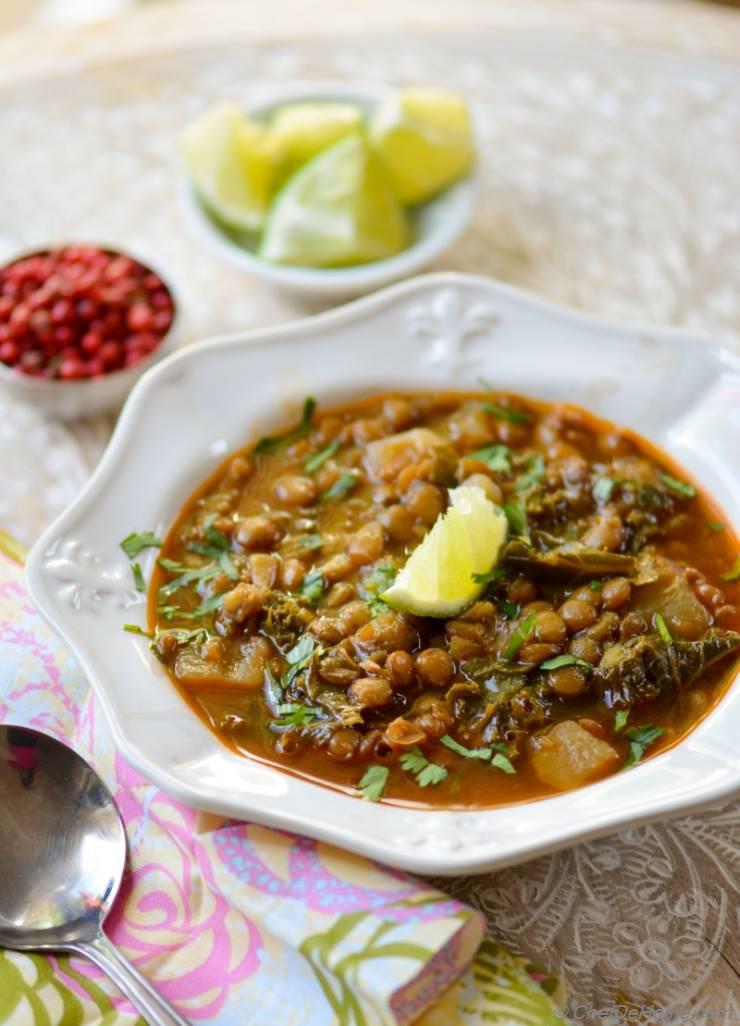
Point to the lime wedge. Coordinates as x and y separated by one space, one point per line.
301 130
232 163
437 579
339 209
425 138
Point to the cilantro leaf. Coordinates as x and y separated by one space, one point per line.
431 775
376 582
466 753
496 574
662 628
209 605
269 443
426 773
734 574
596 585
315 462
134 543
534 474
296 714
138 576
565 660
133 628
520 635
343 484
681 487
313 586
505 413
620 719
311 542
503 763
298 658
509 610
640 739
603 489
495 457
372 783
516 514
715 526
217 539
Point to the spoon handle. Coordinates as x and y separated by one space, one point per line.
145 999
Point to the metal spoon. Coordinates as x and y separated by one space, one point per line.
62 854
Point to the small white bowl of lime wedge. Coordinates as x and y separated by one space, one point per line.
304 221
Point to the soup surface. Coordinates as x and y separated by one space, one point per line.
605 630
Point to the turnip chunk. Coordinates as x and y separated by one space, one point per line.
386 457
568 756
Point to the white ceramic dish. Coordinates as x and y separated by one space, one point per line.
88 397
437 331
436 225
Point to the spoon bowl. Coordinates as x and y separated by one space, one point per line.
62 857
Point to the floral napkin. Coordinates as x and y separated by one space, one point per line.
236 924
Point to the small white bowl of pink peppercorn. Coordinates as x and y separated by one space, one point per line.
79 324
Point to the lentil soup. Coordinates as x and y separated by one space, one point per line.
605 631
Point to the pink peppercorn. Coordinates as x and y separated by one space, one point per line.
80 312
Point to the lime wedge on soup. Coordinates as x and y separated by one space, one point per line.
232 163
425 138
337 210
301 130
439 578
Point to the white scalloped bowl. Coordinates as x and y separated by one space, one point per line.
438 331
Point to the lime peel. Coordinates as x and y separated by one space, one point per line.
439 578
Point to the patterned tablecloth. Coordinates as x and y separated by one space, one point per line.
609 181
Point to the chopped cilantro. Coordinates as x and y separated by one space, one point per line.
603 489
640 739
313 586
596 585
496 574
505 413
373 781
138 576
298 658
310 541
133 628
134 543
217 539
171 612
373 586
467 753
534 473
620 719
662 628
315 462
425 772
681 487
268 443
296 714
516 514
503 763
715 526
226 563
734 574
343 484
565 660
520 635
509 610
188 576
495 457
